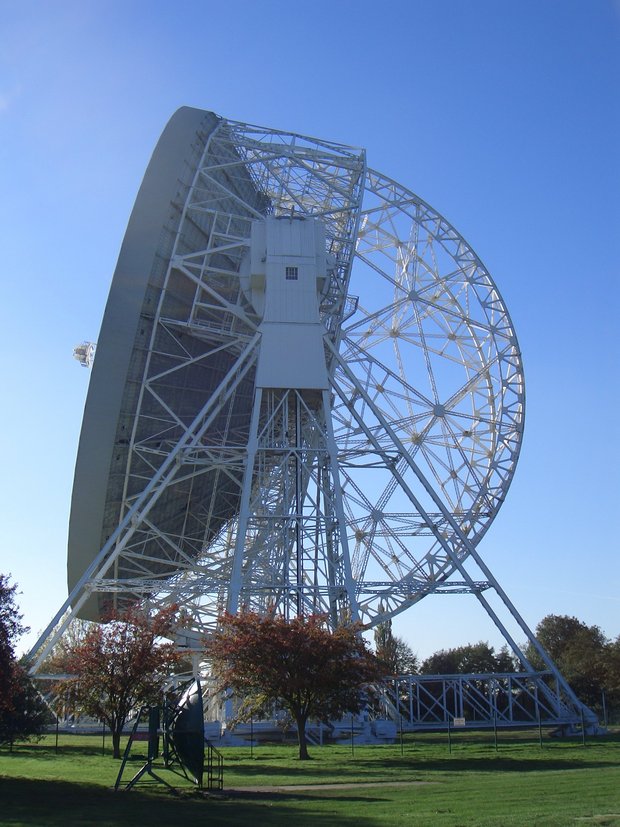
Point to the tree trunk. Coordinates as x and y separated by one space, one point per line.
116 743
301 735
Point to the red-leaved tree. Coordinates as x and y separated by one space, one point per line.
120 666
299 665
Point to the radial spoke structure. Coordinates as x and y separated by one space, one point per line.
434 373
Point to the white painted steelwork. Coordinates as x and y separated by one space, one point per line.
317 394
308 394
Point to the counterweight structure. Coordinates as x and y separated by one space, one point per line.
307 395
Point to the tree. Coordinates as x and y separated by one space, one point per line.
385 647
10 629
506 661
73 635
469 659
582 653
300 665
406 659
120 666
28 714
612 676
394 653
22 710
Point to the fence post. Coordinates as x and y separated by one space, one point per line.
540 741
352 745
583 729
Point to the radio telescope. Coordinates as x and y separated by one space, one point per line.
308 393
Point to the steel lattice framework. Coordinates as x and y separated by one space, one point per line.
502 699
355 497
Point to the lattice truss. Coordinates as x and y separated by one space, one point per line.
357 501
430 398
513 699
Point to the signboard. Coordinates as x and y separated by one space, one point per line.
459 722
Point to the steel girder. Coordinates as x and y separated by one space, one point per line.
509 699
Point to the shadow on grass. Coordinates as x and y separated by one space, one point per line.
46 750
367 768
293 774
63 804
273 796
494 763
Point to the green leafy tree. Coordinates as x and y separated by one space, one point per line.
563 635
385 647
119 666
582 654
22 711
506 661
406 659
612 679
28 714
11 628
299 665
469 659
394 653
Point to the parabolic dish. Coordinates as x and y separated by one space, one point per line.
187 730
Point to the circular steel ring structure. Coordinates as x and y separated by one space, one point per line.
339 453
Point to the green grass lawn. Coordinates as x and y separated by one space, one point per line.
520 784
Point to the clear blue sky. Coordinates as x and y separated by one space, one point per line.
505 116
